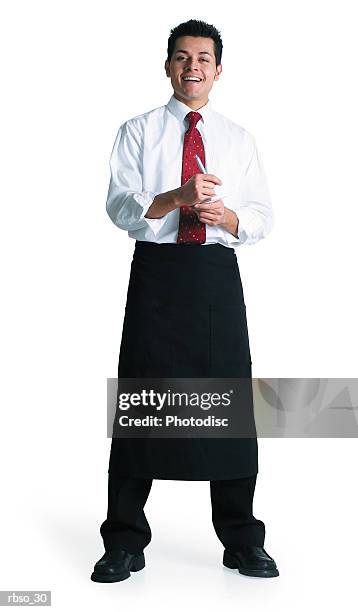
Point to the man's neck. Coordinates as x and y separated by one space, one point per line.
193 104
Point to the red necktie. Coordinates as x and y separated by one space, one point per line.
191 230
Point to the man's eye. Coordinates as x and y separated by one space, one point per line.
180 57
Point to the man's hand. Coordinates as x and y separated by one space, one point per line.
198 188
217 214
212 214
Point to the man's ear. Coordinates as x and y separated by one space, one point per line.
166 67
218 71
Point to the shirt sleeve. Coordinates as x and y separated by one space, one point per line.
253 206
127 203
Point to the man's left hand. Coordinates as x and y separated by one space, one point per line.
212 214
217 214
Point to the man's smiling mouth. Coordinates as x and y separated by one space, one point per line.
192 79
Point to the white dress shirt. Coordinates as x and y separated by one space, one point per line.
146 160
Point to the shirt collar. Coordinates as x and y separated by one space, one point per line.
180 110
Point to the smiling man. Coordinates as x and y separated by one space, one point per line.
185 314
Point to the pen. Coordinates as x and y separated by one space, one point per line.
200 164
203 169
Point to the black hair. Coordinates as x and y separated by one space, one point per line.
193 27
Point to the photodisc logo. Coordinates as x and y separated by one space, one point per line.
173 399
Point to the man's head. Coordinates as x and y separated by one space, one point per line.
194 50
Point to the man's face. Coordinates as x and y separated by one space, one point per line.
193 57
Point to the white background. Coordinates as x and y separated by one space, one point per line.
72 72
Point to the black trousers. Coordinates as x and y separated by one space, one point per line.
127 526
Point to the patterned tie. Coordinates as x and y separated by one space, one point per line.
191 230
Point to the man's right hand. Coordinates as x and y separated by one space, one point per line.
198 188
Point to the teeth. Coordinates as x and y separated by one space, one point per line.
191 79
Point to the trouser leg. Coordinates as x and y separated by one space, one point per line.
233 520
126 525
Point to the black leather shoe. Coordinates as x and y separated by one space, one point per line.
117 565
251 561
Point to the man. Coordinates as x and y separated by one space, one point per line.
185 312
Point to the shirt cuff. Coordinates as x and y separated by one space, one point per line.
232 240
247 228
145 199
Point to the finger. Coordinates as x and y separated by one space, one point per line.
207 213
208 190
212 178
209 184
207 217
211 207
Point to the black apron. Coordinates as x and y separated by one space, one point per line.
185 316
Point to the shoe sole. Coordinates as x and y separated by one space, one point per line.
232 563
137 564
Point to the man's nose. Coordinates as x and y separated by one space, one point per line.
191 65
